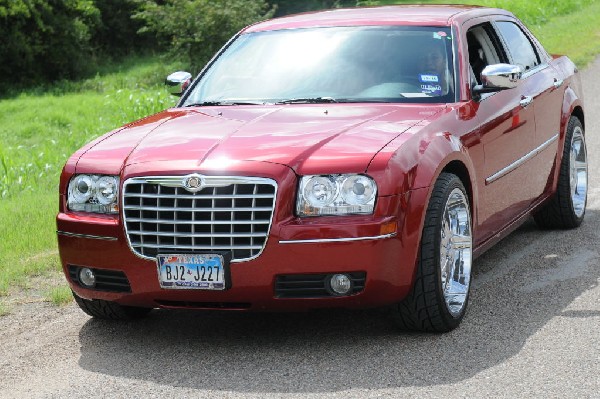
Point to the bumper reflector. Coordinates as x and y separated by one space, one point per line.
388 228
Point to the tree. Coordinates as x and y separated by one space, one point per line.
285 7
117 34
194 30
45 40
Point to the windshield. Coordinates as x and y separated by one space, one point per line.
340 64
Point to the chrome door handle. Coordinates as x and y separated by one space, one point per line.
525 101
558 83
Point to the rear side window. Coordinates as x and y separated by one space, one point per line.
519 47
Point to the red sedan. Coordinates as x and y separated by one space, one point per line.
348 158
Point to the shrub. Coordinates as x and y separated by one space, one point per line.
285 7
193 30
44 40
117 33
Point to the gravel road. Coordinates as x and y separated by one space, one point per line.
532 330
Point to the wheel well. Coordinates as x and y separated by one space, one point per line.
578 112
459 169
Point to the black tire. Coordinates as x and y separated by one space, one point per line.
560 212
425 308
110 310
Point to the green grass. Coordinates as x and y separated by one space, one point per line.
50 127
59 295
531 12
28 244
576 34
39 130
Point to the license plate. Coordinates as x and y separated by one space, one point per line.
199 272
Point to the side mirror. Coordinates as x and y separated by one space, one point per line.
498 77
177 82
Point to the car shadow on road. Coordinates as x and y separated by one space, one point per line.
519 286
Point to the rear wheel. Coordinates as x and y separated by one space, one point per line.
566 209
109 310
439 297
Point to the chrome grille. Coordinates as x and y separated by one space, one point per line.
228 214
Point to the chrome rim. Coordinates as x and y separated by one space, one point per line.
455 252
578 172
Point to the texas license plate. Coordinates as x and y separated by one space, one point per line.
200 272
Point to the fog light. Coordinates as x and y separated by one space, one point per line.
340 284
87 277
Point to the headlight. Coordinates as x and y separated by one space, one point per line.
336 195
93 193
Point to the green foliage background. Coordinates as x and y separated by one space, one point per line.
55 40
194 30
44 40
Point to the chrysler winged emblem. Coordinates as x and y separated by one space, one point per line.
193 183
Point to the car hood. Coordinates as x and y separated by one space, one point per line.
336 138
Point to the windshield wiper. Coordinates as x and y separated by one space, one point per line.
362 100
217 103
309 100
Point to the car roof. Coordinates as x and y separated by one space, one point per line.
427 15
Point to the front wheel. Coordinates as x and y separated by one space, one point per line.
108 310
438 300
566 209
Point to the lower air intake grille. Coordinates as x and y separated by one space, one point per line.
106 280
196 213
204 305
313 285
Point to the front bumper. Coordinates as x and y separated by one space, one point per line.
343 245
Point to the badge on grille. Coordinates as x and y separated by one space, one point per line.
193 183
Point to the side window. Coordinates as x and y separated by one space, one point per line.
519 46
484 49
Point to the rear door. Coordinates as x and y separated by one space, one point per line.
547 90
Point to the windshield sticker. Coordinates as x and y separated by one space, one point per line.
431 89
429 78
430 84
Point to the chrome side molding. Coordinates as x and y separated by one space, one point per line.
506 170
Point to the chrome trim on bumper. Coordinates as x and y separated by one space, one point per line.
504 171
320 240
68 234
